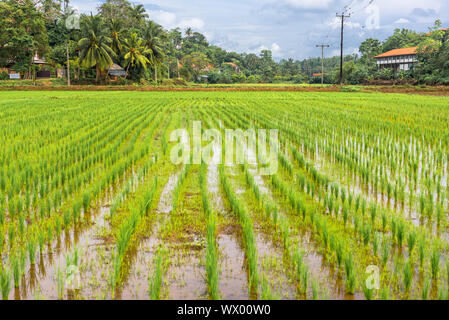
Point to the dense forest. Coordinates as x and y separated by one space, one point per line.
122 33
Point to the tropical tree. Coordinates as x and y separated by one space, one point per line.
23 34
115 9
115 28
137 14
154 37
95 46
188 32
135 52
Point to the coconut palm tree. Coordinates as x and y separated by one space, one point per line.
154 37
189 32
95 46
137 14
115 28
135 52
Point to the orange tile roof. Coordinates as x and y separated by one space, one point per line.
398 52
444 30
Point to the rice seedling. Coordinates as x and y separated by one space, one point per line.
408 275
350 273
435 262
385 252
212 258
443 294
32 247
368 292
60 280
385 293
421 251
155 282
314 289
400 232
5 282
425 289
411 240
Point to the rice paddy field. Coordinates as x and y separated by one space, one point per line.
92 207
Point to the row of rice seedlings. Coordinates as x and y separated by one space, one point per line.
155 281
59 179
126 230
177 190
116 173
240 210
282 225
212 272
350 275
399 234
361 204
77 204
5 282
401 192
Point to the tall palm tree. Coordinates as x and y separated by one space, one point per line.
154 36
115 27
137 14
189 32
135 52
95 46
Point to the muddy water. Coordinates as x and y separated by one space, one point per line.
94 246
40 279
141 260
165 202
359 187
233 280
187 277
213 186
320 270
270 257
135 285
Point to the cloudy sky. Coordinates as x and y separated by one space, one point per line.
290 28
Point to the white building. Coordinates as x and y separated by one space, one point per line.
397 59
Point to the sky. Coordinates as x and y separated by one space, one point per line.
290 28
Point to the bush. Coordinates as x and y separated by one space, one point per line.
4 76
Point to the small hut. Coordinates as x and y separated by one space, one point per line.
116 71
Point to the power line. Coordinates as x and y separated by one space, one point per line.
322 46
342 16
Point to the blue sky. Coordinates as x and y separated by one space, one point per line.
290 28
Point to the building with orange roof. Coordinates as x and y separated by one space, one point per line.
397 59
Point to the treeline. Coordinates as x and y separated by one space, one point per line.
123 33
432 66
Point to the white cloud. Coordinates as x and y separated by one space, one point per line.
336 23
169 20
402 20
276 50
194 23
309 4
164 18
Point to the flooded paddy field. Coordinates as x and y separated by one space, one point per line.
133 196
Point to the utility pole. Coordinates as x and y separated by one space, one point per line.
66 14
68 63
322 46
342 17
